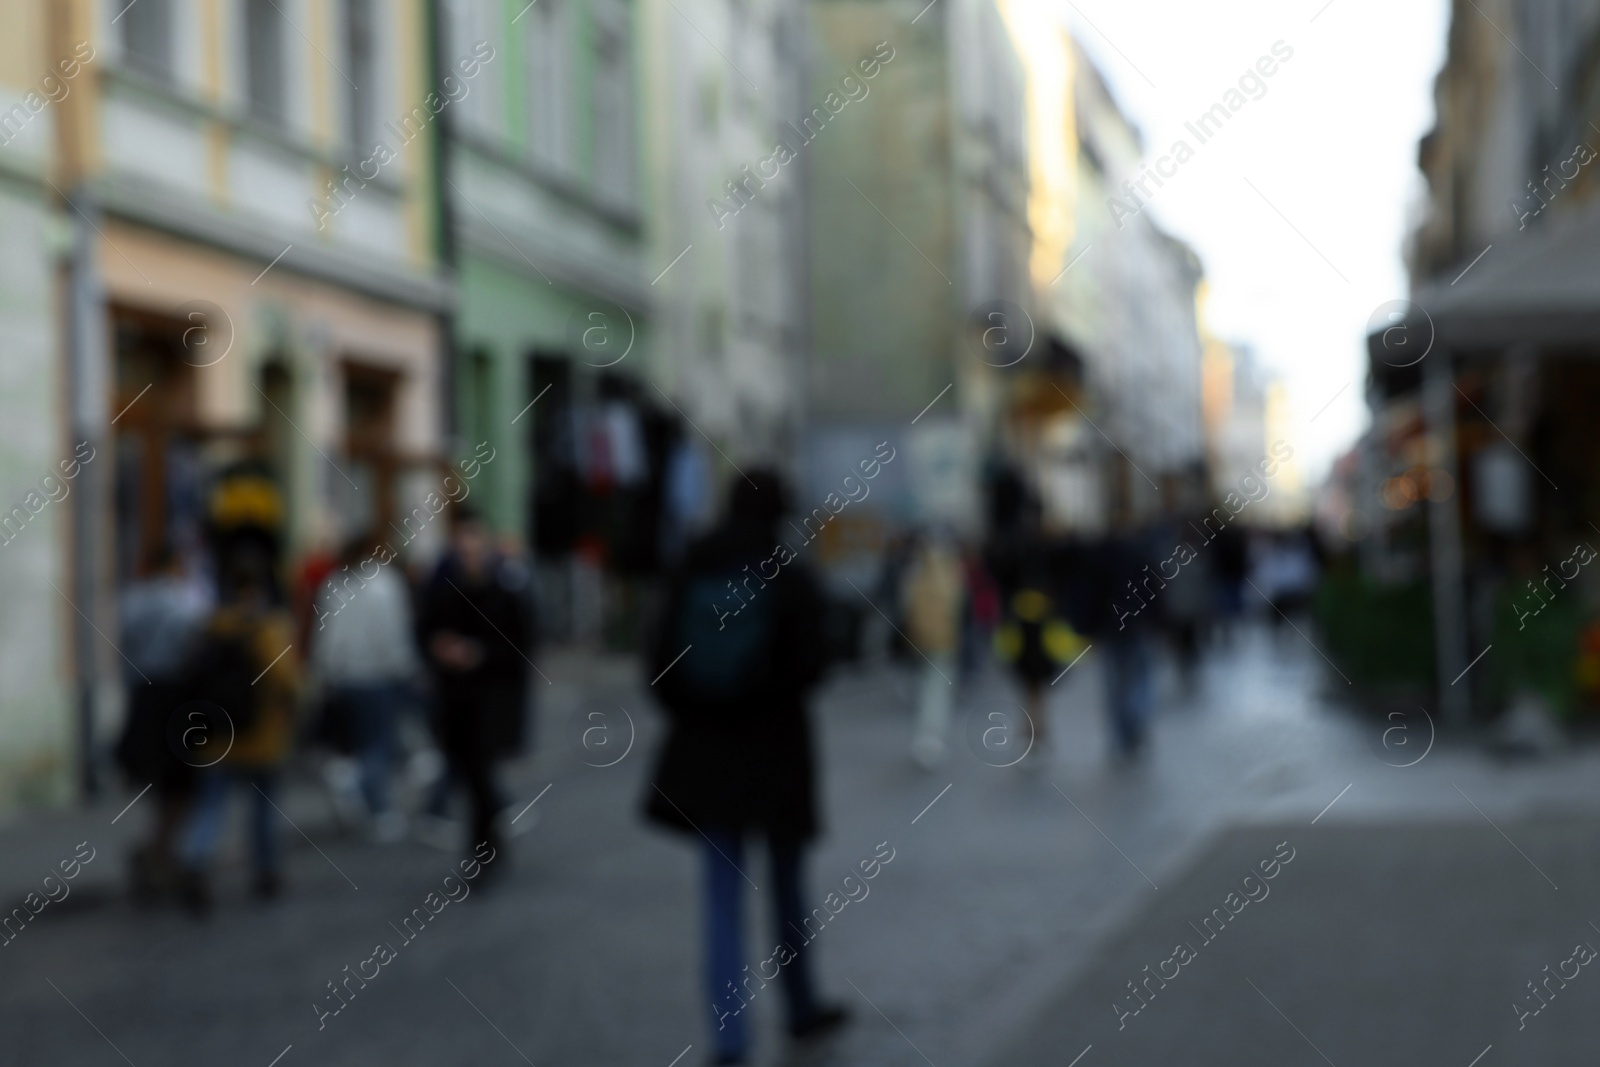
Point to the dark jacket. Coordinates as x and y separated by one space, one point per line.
1128 587
496 613
739 754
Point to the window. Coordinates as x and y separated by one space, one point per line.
550 84
147 37
472 23
361 64
264 59
613 103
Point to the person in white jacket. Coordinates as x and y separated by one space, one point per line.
364 658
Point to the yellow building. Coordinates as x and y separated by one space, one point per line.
240 196
35 497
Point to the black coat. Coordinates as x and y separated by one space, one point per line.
739 754
496 613
1127 585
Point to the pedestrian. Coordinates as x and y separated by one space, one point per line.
364 658
1033 637
244 685
161 615
1129 593
740 646
477 636
982 614
1188 599
932 601
1232 558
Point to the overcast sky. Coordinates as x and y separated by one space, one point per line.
1332 145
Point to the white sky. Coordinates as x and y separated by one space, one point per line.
1332 145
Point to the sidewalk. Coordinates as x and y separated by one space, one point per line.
39 839
1385 946
1016 899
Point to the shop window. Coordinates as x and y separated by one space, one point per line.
265 88
556 488
160 479
480 397
370 448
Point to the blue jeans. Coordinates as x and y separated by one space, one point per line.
732 979
1130 688
211 807
375 708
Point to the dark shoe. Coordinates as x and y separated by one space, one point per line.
728 1057
269 886
194 890
144 875
491 872
823 1021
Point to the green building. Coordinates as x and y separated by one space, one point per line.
541 189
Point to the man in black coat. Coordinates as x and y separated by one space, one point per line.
740 646
476 634
1129 588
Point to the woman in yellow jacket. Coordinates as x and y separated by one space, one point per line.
239 726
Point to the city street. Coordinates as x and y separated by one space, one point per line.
1018 906
1101 494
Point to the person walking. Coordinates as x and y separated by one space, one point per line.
931 597
364 658
1127 598
244 689
161 616
740 646
477 635
1033 637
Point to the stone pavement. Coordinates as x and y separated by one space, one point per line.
1016 908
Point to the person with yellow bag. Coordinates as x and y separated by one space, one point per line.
1033 638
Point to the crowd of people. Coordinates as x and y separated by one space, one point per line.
228 675
1036 603
381 669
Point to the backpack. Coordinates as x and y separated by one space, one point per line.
222 673
732 656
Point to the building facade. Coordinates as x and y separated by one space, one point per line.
555 336
919 292
728 245
1480 469
37 739
252 288
1108 428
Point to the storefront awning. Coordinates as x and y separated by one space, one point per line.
1540 286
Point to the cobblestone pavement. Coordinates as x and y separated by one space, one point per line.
1017 901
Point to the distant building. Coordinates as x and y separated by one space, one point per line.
1245 411
1117 415
725 87
919 286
